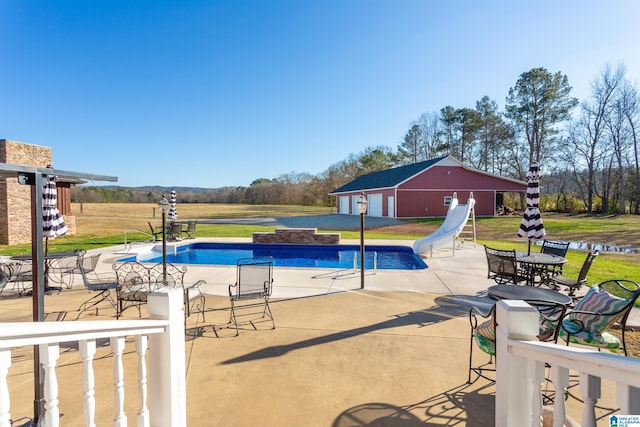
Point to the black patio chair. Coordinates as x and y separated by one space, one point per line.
155 232
572 285
551 247
483 332
604 306
502 266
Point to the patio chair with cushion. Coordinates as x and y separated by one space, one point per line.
572 285
100 285
254 280
483 331
602 307
502 266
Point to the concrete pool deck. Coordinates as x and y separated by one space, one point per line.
298 282
393 354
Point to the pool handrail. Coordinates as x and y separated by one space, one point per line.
127 246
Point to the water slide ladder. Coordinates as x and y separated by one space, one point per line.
468 232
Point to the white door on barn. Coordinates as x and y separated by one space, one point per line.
391 207
354 205
375 205
344 204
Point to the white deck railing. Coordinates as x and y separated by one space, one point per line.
521 372
161 392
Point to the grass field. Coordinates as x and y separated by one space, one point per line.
106 224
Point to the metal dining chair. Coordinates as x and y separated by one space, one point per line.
572 285
502 266
604 305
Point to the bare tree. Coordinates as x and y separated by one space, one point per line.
586 141
430 136
410 148
630 98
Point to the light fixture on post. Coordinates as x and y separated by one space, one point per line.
163 206
362 209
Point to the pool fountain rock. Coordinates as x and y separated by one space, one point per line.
300 236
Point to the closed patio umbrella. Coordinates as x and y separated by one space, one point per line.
531 226
173 212
52 222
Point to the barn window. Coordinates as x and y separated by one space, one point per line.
447 200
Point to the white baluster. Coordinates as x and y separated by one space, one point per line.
5 363
628 397
117 348
536 371
141 351
87 352
560 379
49 354
590 389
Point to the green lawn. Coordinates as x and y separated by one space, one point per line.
499 232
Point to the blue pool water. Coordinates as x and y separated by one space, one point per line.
322 256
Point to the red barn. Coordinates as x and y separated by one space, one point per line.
424 189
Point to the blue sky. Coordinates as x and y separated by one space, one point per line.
219 93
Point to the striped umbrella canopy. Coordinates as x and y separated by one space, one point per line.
173 212
531 226
52 222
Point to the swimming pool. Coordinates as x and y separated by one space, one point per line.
320 256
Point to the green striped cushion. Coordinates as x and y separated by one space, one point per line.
485 344
487 329
604 340
595 301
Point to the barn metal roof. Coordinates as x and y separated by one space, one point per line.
387 178
395 176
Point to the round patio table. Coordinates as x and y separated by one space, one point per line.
536 261
528 293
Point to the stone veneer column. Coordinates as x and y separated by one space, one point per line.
15 199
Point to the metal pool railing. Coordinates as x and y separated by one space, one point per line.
127 245
375 262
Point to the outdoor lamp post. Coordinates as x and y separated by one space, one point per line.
163 206
362 209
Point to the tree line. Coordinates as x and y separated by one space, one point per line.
588 150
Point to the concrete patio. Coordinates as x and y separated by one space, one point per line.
394 354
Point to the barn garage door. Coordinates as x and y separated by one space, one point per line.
375 205
344 204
